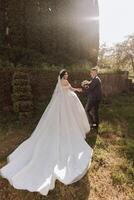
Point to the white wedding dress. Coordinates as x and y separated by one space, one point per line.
55 150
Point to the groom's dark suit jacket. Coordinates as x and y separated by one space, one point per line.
94 92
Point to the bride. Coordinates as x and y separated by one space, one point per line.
56 149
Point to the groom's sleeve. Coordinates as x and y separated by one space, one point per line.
85 91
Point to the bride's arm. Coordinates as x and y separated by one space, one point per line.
66 84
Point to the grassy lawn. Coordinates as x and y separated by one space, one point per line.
111 176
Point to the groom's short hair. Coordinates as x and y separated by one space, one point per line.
94 69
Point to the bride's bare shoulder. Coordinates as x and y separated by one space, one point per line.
64 82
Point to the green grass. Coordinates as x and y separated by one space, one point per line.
118 114
123 174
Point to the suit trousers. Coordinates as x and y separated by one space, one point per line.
92 111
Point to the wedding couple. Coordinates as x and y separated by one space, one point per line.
57 148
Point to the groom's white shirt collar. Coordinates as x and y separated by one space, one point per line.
97 77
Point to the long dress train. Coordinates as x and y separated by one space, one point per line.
55 150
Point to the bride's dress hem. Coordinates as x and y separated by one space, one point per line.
51 188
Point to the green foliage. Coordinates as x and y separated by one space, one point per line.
119 57
20 57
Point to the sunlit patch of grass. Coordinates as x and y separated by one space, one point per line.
100 152
128 170
112 127
118 178
107 126
100 143
123 174
99 160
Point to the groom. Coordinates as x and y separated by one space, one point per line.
94 94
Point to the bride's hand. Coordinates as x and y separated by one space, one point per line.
79 89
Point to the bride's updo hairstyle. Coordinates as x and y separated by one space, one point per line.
62 73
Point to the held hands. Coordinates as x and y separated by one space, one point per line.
79 89
84 84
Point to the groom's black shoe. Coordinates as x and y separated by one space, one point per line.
94 126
